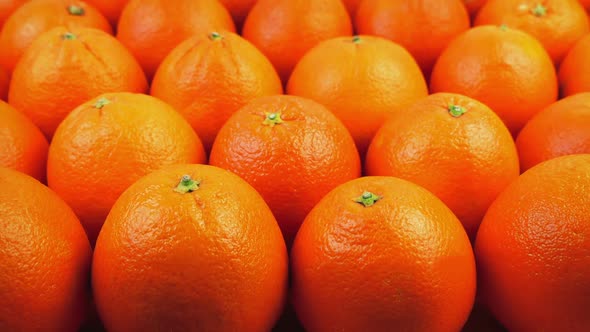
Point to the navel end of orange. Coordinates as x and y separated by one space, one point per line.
187 185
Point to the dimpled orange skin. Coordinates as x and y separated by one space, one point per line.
239 9
504 68
7 7
36 17
109 148
210 76
292 164
150 29
44 257
423 27
533 249
57 74
574 72
284 30
561 129
466 161
111 9
404 263
362 80
208 260
558 29
23 148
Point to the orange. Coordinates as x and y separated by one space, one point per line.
44 258
352 6
23 148
64 68
452 145
210 76
36 17
7 7
239 9
533 249
292 150
108 143
4 83
190 248
284 30
341 74
150 29
111 9
382 254
423 27
561 129
574 72
504 68
557 24
473 6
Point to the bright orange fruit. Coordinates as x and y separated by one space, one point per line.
574 72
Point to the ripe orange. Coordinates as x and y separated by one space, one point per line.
44 258
239 9
452 145
210 76
111 9
190 248
23 148
380 253
504 68
533 249
284 30
473 6
4 83
292 150
561 129
352 6
7 7
36 17
108 143
64 68
150 29
423 27
341 74
574 72
557 24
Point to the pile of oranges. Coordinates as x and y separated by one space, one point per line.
294 165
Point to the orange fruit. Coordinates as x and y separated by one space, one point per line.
4 83
64 68
574 72
381 253
7 7
239 9
341 74
44 258
533 249
210 76
111 9
452 145
284 30
150 29
557 24
292 150
561 129
504 68
108 143
36 17
423 27
190 248
23 148
473 6
352 6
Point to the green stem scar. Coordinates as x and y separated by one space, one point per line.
272 119
356 39
187 185
456 111
215 36
368 199
68 36
76 10
539 10
102 102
